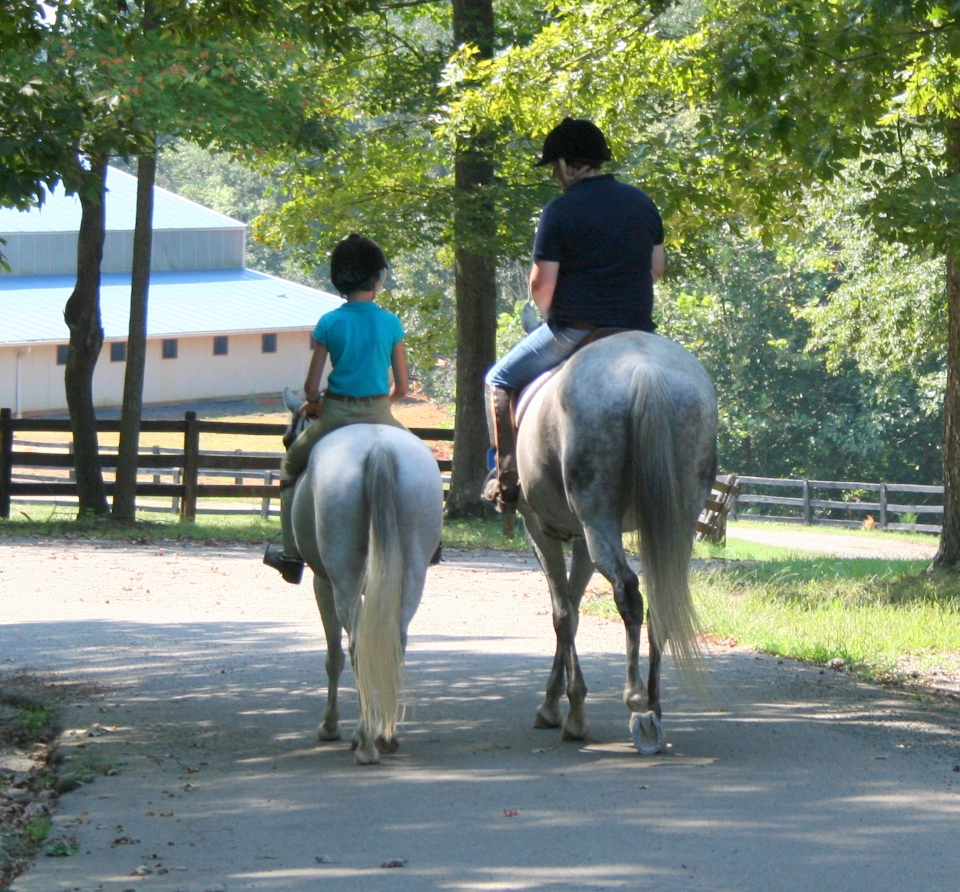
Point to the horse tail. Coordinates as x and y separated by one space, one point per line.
666 537
379 651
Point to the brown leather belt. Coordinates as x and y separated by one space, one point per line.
355 399
582 325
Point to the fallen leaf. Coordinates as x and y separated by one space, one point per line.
510 812
395 862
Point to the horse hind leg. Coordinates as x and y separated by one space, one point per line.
607 552
330 727
566 665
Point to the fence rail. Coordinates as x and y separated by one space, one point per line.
185 466
809 509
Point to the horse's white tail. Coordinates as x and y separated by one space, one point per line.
666 537
379 652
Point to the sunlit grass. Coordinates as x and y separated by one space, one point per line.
884 619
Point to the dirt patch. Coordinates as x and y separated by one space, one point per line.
838 545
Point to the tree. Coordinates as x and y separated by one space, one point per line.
416 183
127 74
804 89
735 110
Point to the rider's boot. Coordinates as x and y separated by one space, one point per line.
287 561
504 489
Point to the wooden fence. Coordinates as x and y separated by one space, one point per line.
186 467
811 506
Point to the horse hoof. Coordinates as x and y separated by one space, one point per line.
325 734
647 733
386 746
574 731
366 757
547 718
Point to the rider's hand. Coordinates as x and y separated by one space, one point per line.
312 409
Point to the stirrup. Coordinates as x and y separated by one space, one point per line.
291 569
494 497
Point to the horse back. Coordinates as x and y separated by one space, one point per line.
577 447
332 511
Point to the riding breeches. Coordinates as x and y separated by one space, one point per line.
336 413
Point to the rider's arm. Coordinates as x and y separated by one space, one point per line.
657 262
401 382
543 282
311 387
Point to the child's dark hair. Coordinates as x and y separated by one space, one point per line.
356 264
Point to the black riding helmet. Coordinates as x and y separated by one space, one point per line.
356 264
575 139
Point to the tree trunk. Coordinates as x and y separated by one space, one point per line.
82 315
948 555
125 493
476 286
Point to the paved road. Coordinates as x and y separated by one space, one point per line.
837 545
205 687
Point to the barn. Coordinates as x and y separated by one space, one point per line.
215 330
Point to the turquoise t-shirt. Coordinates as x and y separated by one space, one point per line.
360 338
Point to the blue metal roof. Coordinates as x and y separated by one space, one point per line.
180 303
61 213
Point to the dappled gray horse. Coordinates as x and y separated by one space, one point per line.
367 515
621 438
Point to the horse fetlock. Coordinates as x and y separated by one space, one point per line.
635 700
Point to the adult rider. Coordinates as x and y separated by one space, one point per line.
598 250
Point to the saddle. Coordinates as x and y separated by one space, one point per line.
533 388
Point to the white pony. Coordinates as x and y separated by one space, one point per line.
368 515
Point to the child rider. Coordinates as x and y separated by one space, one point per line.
364 343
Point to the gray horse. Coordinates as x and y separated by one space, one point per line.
368 514
621 438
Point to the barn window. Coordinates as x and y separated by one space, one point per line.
221 345
170 348
118 351
63 353
268 343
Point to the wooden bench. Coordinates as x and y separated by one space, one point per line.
712 523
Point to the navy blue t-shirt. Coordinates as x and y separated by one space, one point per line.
602 233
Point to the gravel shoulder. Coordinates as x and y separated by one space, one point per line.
203 686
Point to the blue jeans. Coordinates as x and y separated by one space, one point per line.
538 352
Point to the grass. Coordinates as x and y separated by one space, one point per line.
35 520
886 620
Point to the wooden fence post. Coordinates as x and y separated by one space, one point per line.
265 504
191 463
6 461
156 477
807 513
883 506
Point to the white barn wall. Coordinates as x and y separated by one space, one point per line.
195 374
